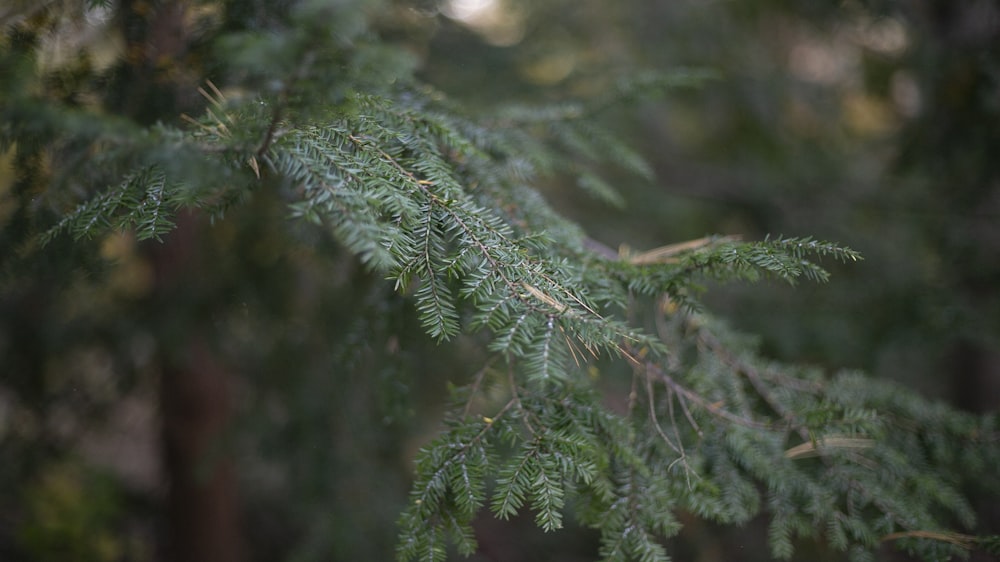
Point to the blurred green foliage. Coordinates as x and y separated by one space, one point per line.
71 513
868 123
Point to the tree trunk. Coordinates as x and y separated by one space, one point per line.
202 505
202 511
203 516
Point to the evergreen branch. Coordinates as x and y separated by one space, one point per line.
143 201
671 269
753 375
653 370
650 399
965 542
446 205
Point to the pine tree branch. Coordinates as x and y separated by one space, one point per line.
711 343
715 409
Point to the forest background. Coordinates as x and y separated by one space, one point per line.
873 124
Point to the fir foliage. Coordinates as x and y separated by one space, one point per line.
445 203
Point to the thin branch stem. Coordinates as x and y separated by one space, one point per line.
709 341
516 399
476 383
656 422
653 370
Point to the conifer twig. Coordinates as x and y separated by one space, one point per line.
712 408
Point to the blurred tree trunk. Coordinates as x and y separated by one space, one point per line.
203 506
976 370
203 514
951 145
